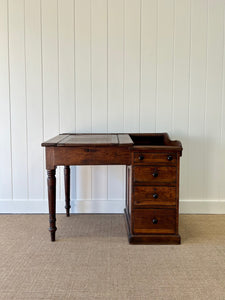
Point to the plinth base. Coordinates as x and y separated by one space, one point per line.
147 239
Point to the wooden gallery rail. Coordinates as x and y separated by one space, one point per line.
152 178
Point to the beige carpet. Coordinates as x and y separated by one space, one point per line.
92 259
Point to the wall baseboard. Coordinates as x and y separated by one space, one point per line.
39 206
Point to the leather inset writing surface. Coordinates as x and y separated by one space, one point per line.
87 139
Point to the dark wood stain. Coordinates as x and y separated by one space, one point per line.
154 196
152 178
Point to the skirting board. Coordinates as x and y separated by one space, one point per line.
39 206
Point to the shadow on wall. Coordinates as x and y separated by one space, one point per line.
202 168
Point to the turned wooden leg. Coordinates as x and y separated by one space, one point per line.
67 189
52 202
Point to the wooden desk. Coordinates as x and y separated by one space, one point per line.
152 178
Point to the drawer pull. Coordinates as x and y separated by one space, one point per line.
155 196
170 157
141 157
155 173
154 221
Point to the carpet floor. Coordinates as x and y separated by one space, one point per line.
91 259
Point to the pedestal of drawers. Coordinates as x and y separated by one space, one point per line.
152 207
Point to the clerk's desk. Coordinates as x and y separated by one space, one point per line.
152 178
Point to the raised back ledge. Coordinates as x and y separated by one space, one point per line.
170 142
159 141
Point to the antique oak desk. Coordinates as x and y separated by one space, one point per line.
152 178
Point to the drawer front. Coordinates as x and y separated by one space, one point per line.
154 195
92 156
154 221
165 158
155 175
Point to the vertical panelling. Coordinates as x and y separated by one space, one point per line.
66 75
99 65
18 98
181 82
99 60
116 183
115 89
181 67
50 68
5 118
198 68
222 130
83 65
148 65
132 45
215 53
34 98
111 66
165 65
49 13
115 65
99 183
66 65
83 87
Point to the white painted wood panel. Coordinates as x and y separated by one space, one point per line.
197 102
215 53
34 99
50 55
18 98
50 70
148 65
5 107
83 82
165 65
132 29
181 84
222 130
116 183
99 67
115 66
111 66
83 65
99 75
66 60
116 174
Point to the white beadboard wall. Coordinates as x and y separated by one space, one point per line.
111 66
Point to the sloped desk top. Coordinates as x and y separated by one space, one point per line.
159 140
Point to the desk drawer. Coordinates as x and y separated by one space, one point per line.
154 221
92 155
155 175
154 195
165 158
